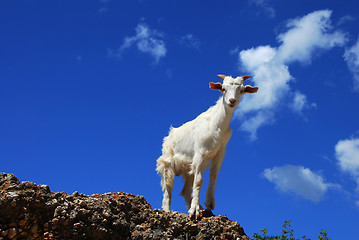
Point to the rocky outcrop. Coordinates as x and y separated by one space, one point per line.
30 211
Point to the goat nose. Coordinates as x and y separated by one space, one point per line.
232 100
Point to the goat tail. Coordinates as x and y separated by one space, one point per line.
163 167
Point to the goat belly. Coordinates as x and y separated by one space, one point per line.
181 164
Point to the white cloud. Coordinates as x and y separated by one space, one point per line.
351 56
300 103
259 119
190 41
147 41
345 19
264 4
103 9
269 67
299 180
234 51
255 57
78 58
347 154
307 34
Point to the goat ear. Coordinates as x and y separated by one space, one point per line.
250 89
222 76
245 77
215 86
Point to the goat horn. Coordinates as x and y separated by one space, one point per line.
245 77
222 76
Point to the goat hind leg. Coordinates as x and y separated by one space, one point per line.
187 189
167 185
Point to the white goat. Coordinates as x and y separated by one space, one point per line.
187 150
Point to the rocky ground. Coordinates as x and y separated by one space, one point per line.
30 211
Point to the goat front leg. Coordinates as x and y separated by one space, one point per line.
213 172
197 185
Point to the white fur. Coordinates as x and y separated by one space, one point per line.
187 150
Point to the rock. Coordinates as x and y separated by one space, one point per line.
30 211
8 179
11 233
22 222
34 229
4 233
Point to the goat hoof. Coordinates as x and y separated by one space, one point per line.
194 211
202 214
207 213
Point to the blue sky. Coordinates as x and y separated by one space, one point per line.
88 90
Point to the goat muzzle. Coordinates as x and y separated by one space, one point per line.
232 102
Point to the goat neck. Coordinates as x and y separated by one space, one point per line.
222 115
